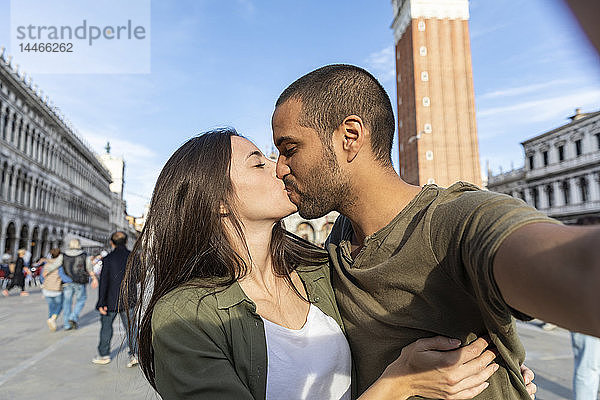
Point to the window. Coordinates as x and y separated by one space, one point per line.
427 128
536 197
400 124
423 51
426 101
424 76
429 155
597 140
565 190
430 181
550 193
545 155
561 153
583 186
531 165
421 26
578 147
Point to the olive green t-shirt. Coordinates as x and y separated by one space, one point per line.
427 273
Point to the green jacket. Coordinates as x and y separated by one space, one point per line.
211 345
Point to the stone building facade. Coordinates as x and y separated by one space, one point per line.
119 220
51 184
561 176
437 130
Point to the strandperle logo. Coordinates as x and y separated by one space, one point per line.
85 31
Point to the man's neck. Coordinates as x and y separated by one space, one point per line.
379 197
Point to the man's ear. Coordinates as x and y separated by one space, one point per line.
354 136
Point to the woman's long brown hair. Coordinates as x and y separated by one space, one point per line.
184 242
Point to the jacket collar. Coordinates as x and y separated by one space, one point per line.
233 295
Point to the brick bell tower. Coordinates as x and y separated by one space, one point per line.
436 101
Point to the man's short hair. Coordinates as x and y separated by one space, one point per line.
74 244
119 238
331 93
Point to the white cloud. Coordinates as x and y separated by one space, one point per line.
247 7
382 64
546 108
519 90
478 33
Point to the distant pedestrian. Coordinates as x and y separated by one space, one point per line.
77 271
110 302
586 350
18 276
52 286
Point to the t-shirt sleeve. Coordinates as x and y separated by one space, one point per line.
466 234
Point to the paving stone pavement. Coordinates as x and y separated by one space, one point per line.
38 364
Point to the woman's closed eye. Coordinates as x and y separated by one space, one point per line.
259 165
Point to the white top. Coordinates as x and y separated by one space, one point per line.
310 363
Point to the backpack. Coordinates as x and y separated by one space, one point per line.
74 267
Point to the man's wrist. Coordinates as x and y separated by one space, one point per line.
386 388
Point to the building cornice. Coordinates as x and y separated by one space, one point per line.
23 85
407 10
575 125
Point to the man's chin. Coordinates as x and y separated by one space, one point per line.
311 214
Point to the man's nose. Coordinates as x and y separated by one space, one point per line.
282 168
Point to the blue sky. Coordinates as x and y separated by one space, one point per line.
224 62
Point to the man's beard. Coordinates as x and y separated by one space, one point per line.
325 188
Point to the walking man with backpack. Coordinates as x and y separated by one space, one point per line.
77 271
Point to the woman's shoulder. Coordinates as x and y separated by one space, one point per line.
184 298
189 313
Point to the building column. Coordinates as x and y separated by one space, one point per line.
11 117
30 142
574 190
6 189
23 129
15 246
28 197
528 197
558 197
19 122
3 112
13 186
18 188
3 226
32 193
544 201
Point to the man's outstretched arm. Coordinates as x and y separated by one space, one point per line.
552 272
